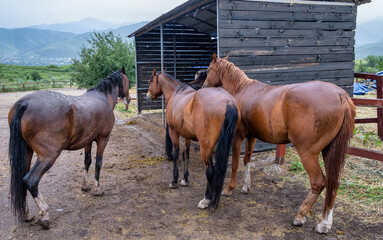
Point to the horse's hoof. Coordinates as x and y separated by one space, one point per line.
299 222
44 223
184 183
29 217
85 188
204 203
226 192
97 192
323 228
245 189
173 185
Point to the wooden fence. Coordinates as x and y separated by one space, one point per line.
11 87
378 103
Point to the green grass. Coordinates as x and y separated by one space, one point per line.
12 74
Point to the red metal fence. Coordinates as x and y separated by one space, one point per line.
378 103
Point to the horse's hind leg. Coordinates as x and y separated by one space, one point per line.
101 144
246 161
234 164
87 161
207 159
31 180
317 181
176 149
185 182
28 215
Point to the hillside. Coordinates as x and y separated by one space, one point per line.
16 45
364 50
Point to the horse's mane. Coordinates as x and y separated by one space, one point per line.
182 86
106 84
236 75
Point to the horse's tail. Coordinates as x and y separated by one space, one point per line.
168 144
17 159
334 153
222 152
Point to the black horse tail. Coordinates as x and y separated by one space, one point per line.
168 144
17 159
222 153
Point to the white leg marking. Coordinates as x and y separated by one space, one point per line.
326 224
247 186
184 183
28 215
41 204
97 191
85 186
204 203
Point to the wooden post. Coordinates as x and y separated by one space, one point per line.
379 95
3 88
280 154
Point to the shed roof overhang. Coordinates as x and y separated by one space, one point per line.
195 13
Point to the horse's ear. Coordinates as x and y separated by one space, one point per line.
123 69
154 72
214 57
227 57
164 70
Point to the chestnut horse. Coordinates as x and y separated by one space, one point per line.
49 122
209 116
314 116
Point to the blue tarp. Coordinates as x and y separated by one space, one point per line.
361 88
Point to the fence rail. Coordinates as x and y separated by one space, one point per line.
10 87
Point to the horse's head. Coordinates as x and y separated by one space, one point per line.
124 91
213 76
154 88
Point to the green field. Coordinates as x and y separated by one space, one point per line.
12 74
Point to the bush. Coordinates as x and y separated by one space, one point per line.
35 76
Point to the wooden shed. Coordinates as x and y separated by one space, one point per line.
273 41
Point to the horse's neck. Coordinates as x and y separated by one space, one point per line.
235 84
168 87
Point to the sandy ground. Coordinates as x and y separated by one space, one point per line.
137 203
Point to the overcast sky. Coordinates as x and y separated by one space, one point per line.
23 13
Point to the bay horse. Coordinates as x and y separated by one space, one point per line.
314 116
197 83
47 123
209 116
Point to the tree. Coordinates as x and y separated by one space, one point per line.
105 54
35 76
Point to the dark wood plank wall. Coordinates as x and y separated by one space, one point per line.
282 43
184 46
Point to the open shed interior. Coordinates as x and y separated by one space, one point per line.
188 43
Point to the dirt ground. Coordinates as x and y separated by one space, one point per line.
138 204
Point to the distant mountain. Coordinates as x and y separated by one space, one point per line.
36 43
362 51
369 32
20 40
78 27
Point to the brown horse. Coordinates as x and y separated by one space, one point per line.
209 116
199 79
314 116
49 122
